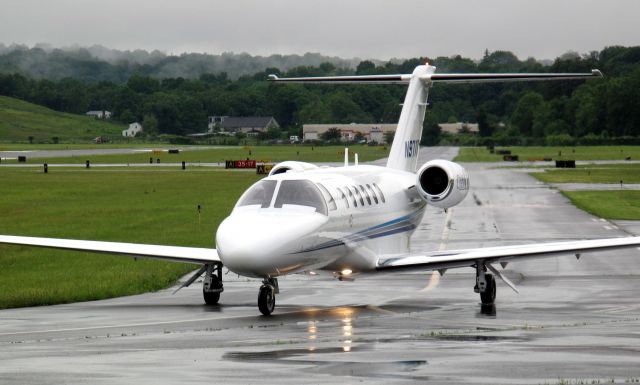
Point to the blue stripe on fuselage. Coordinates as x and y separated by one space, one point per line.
394 226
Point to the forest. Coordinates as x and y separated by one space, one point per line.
601 111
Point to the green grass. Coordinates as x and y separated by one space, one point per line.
220 154
481 154
597 173
616 204
128 205
19 120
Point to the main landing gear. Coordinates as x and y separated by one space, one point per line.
212 285
485 285
267 295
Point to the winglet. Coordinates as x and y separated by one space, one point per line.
273 77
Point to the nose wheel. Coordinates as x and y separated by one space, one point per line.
267 296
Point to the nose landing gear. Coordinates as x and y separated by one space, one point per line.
267 295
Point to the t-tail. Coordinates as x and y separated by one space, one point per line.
406 142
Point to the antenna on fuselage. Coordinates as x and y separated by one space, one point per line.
346 156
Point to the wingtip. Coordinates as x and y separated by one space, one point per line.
273 77
596 72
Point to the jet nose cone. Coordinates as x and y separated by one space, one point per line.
249 243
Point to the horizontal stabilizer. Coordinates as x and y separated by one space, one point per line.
506 77
439 78
364 79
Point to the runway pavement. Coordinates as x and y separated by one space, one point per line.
95 151
574 320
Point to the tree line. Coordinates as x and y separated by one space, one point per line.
562 112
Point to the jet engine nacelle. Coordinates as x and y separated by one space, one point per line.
442 183
291 166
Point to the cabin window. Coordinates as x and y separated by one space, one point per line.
355 188
328 197
379 192
259 194
344 197
354 201
366 194
301 193
373 194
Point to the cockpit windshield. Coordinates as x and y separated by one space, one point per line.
259 194
300 193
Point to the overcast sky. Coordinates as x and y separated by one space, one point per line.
347 28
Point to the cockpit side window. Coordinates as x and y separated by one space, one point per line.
329 198
301 193
259 194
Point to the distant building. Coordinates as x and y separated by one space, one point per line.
250 125
457 128
133 130
101 139
99 114
371 132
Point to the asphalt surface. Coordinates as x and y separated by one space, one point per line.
574 320
95 151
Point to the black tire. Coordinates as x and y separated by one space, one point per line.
489 295
212 298
266 300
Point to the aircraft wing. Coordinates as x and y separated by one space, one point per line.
448 259
171 253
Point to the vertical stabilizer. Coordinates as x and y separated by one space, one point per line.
406 143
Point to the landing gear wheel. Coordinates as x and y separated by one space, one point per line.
212 286
209 297
488 297
266 299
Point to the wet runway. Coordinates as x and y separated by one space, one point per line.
574 320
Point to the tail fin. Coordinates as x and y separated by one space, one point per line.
406 143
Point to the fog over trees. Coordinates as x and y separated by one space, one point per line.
175 94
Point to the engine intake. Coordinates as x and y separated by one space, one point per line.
442 183
293 166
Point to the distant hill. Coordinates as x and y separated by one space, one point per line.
98 63
20 119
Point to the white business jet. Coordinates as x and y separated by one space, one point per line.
350 220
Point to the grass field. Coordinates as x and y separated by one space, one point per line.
596 173
19 120
128 205
622 204
220 154
481 154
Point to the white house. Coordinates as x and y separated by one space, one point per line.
133 130
99 114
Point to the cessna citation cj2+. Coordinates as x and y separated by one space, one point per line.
355 219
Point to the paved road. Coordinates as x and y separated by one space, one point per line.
96 151
573 320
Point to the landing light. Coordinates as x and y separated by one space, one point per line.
346 272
